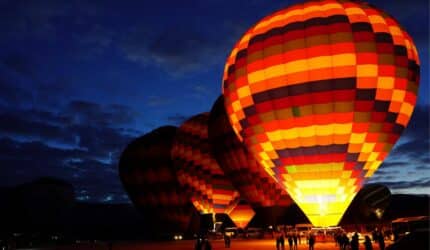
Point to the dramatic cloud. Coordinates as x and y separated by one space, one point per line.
401 185
80 144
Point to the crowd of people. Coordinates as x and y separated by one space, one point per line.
294 238
344 242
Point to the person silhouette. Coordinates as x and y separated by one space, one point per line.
367 243
199 244
290 241
381 241
295 236
227 240
354 242
208 245
311 241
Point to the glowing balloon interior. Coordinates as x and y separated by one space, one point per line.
319 93
242 214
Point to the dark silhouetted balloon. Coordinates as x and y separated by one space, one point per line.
147 173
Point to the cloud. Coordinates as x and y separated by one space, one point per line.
25 161
419 125
85 112
11 93
19 64
177 50
157 101
16 125
177 119
32 145
201 91
399 185
395 164
415 141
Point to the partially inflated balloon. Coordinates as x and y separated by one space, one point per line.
198 172
253 183
148 176
319 93
242 214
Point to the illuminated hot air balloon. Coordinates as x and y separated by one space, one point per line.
241 214
198 172
319 93
147 174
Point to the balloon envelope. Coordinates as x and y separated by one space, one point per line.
148 176
198 172
253 183
319 93
242 214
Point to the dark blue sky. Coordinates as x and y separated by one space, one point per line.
80 79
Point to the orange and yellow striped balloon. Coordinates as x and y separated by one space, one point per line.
319 93
197 170
242 214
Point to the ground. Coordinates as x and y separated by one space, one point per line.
265 244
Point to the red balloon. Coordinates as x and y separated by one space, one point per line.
148 176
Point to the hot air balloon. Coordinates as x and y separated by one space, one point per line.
198 172
319 93
148 176
258 188
369 204
241 214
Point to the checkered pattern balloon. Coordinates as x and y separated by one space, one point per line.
319 93
198 172
253 183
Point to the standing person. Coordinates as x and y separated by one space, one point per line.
290 240
367 243
300 237
208 245
295 236
354 242
344 241
227 240
278 240
199 243
311 241
381 241
282 240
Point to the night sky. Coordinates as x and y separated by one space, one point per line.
81 79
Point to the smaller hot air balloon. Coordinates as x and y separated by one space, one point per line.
242 214
198 173
369 204
148 176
